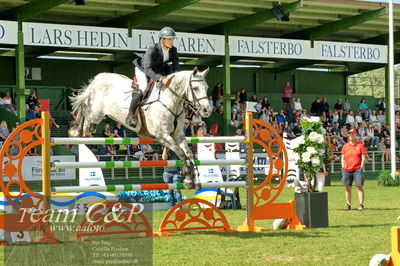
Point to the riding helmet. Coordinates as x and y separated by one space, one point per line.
167 32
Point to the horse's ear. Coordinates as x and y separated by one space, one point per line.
205 72
195 71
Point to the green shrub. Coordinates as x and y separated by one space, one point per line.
385 179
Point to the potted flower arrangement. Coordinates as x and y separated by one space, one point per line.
314 152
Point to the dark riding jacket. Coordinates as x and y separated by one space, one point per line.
153 65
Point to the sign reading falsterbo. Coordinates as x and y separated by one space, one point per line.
41 34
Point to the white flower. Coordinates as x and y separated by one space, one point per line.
313 136
306 157
301 139
321 152
314 119
320 139
311 150
315 160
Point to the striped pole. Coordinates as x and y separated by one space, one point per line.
142 164
170 186
110 141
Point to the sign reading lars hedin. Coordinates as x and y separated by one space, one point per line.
40 34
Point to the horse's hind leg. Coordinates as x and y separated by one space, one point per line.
171 144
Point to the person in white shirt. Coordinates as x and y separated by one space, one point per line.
358 118
350 120
397 106
197 121
297 105
373 120
381 117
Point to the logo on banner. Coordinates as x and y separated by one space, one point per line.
2 31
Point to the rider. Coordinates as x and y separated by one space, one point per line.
154 65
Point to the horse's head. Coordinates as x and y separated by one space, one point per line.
197 92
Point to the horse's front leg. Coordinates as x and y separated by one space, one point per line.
171 144
189 154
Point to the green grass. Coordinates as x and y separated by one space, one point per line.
352 237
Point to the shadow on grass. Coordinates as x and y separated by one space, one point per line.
370 209
360 225
245 235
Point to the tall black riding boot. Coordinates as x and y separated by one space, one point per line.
132 119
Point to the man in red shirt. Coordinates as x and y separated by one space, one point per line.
353 160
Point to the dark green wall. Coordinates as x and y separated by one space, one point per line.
266 81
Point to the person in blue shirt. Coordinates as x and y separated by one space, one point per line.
281 118
363 108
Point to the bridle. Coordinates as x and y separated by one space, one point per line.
195 100
191 105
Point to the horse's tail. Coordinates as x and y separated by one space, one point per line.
79 108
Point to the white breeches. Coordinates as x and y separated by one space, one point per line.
141 79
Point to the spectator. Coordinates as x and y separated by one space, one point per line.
289 132
344 133
254 98
373 120
386 131
242 96
397 120
363 107
316 107
371 134
397 106
241 118
211 102
6 103
363 134
107 132
286 95
273 121
297 129
382 105
172 175
381 117
384 150
197 121
297 105
339 107
265 104
32 100
258 106
350 121
30 114
324 105
335 116
220 106
190 130
235 108
359 118
4 131
202 129
104 150
281 118
149 152
14 150
217 93
346 106
119 131
265 116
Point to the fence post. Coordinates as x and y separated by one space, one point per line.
373 161
126 169
112 169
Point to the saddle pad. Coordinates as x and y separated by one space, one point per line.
126 102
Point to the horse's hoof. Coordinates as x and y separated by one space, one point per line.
197 186
188 184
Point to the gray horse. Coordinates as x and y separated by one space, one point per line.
162 119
